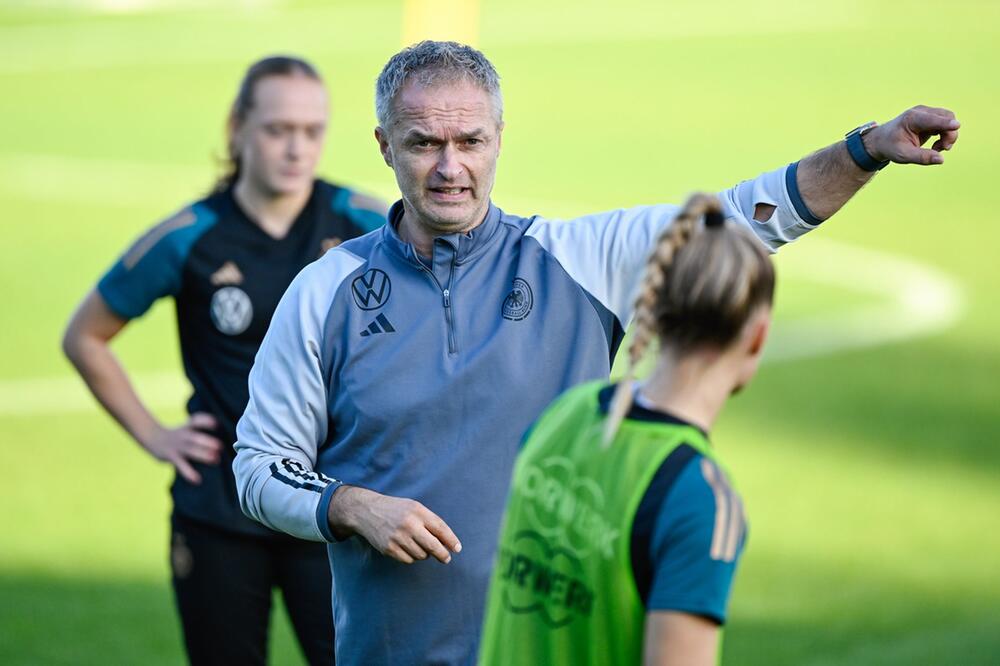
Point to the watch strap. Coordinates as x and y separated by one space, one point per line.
858 153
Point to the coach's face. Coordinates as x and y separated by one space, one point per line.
443 142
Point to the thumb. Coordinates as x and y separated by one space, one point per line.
916 155
185 469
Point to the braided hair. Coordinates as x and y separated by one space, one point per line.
703 280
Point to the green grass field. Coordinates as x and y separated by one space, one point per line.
871 474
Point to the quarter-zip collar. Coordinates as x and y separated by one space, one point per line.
448 249
447 252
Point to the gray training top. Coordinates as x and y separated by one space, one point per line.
418 377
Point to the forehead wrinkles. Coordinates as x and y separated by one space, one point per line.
446 106
442 119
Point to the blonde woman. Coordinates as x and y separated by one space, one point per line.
622 532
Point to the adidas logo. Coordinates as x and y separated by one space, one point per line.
228 274
328 244
380 325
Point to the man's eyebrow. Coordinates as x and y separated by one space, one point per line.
473 134
417 135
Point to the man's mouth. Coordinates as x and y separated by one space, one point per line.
448 193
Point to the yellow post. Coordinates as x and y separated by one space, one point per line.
455 20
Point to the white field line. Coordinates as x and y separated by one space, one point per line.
919 301
914 299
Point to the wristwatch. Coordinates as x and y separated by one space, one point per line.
856 148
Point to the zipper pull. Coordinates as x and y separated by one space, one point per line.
447 297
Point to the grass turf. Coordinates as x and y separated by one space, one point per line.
869 476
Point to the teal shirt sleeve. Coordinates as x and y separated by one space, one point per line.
697 539
153 266
365 212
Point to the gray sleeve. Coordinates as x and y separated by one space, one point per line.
285 421
605 253
785 224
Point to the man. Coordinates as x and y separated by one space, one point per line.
409 362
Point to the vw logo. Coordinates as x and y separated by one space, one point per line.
371 290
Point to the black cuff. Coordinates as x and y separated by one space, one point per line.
856 149
792 185
321 512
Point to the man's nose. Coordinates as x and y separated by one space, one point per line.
449 167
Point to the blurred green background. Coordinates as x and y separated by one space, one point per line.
866 450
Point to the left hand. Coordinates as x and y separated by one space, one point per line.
901 139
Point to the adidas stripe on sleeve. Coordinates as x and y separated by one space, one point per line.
152 267
698 537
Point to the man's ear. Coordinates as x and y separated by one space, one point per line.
499 137
383 145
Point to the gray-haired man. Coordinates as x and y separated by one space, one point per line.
409 362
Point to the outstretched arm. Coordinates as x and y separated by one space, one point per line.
829 177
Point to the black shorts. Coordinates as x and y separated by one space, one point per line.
222 584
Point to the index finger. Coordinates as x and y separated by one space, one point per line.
933 120
205 441
440 529
202 420
432 545
941 111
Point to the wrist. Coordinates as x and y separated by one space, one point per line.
870 142
862 145
340 518
148 434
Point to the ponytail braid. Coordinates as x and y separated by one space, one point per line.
676 236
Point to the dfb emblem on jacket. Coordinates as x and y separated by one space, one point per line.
231 310
371 290
518 303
